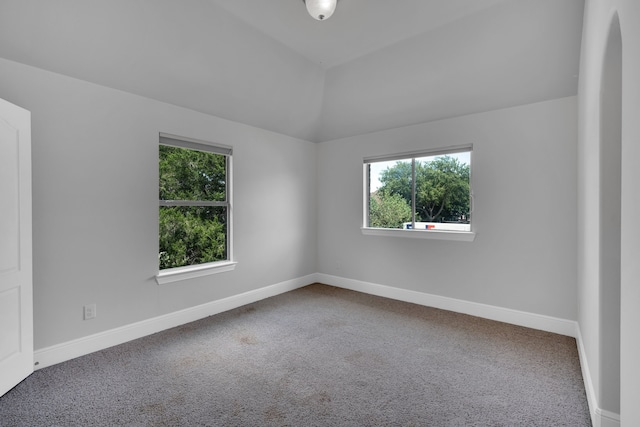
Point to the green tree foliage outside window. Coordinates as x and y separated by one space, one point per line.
388 210
193 207
442 192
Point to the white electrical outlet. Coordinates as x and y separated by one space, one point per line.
90 311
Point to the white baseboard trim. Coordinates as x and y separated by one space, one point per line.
79 347
599 417
514 317
608 419
588 382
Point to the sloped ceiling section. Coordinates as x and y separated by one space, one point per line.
374 65
190 53
514 53
357 28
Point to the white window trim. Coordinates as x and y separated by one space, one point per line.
171 275
460 236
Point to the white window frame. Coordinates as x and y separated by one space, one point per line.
465 236
171 275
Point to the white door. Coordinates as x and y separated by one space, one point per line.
16 289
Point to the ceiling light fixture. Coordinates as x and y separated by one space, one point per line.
320 9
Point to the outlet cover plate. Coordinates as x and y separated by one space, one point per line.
90 311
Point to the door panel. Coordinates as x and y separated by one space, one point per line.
16 289
9 194
10 319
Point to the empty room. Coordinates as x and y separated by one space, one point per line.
319 213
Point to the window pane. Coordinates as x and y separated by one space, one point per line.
443 192
390 193
191 235
192 175
438 200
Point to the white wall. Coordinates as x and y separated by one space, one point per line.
597 21
95 190
524 181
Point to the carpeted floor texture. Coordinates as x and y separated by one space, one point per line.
316 356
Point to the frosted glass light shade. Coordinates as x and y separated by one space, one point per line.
321 9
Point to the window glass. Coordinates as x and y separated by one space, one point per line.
421 192
390 194
194 207
187 174
191 235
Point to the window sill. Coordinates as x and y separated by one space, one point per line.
460 236
182 273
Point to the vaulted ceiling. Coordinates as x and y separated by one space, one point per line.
375 64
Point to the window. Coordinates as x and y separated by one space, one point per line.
195 207
425 192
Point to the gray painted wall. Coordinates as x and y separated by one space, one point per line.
598 19
524 181
95 230
95 190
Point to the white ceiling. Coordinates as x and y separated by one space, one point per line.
374 65
357 27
